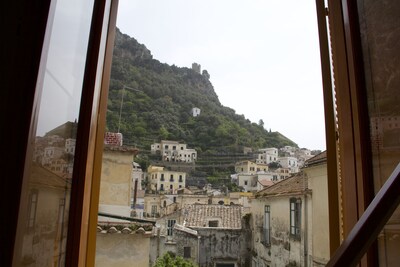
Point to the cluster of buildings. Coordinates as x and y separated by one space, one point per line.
271 165
283 223
270 222
55 153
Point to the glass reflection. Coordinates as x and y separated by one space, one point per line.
49 184
380 35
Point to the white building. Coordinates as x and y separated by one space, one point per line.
267 155
137 205
302 156
51 153
247 181
137 175
195 112
70 146
289 163
288 150
173 151
255 182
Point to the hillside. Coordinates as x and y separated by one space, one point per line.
158 102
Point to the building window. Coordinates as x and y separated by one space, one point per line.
213 223
267 226
153 210
180 179
170 227
161 187
295 217
171 179
33 199
187 252
162 176
245 182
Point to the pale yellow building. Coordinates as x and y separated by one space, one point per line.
165 181
116 181
249 167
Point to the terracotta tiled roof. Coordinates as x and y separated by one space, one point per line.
197 215
44 177
318 159
122 228
266 182
294 184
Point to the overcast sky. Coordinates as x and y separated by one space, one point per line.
262 55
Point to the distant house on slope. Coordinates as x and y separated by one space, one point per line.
173 151
195 112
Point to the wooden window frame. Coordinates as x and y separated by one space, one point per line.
295 218
27 23
350 182
267 231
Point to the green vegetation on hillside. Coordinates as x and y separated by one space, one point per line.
158 102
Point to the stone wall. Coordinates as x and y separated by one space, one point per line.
122 250
224 245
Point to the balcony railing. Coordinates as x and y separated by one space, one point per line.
371 223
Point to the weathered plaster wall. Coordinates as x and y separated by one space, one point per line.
226 245
115 183
283 249
214 245
159 245
46 241
319 217
122 250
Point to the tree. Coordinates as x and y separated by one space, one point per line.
274 165
171 260
261 123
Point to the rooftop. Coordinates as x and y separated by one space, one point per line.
318 159
292 185
266 182
197 215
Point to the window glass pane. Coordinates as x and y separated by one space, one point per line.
43 243
380 35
